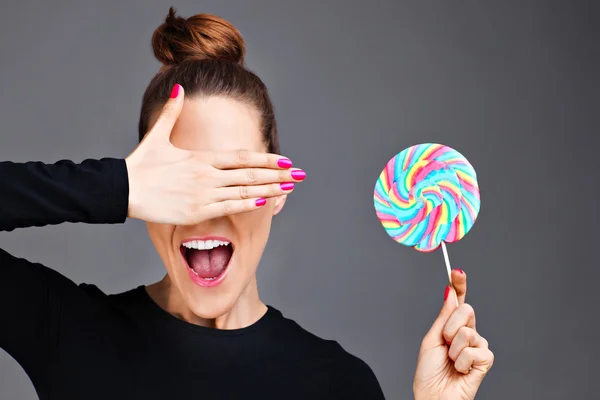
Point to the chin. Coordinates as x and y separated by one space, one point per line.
210 307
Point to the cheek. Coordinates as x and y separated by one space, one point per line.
254 227
161 236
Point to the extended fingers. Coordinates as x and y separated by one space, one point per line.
161 130
248 192
243 168
230 207
248 159
258 176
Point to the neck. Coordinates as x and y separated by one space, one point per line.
246 311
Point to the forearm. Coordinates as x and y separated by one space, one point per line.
38 194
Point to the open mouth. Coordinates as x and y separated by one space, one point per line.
207 260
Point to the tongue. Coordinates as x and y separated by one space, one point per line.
208 263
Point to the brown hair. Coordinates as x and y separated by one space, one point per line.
205 55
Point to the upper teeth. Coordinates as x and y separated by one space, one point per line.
204 244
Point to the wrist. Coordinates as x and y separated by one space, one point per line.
422 397
133 200
419 395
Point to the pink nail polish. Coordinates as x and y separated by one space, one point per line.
284 163
460 270
175 91
261 202
287 186
446 293
298 175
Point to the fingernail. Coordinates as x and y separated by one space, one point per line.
298 175
448 343
175 91
287 186
446 293
284 162
261 202
459 270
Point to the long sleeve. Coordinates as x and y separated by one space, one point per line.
38 194
37 302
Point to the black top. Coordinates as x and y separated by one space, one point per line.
76 342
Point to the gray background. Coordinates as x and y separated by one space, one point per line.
513 85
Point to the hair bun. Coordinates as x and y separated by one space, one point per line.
202 36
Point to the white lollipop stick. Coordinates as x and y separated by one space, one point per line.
449 269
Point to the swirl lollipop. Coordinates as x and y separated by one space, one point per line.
426 196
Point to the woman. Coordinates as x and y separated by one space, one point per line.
207 179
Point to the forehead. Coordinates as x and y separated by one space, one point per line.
217 124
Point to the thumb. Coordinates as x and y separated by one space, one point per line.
168 116
434 337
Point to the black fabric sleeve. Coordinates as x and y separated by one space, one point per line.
38 194
35 300
352 378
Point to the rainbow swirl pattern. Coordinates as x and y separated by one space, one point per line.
427 194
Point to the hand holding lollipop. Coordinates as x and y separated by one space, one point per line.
426 196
